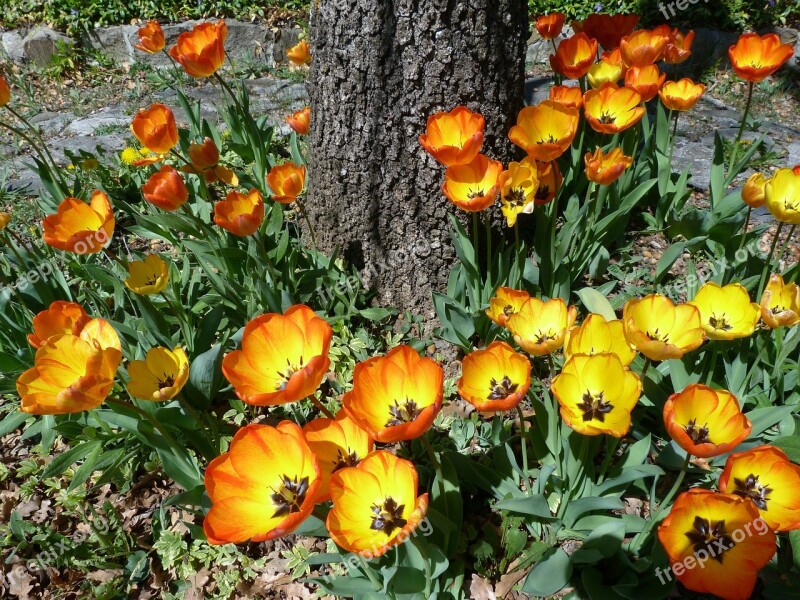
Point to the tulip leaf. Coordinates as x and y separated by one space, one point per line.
668 259
550 575
790 445
205 377
66 459
596 302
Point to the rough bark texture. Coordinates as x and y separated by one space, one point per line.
380 68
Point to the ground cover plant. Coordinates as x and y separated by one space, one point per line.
597 437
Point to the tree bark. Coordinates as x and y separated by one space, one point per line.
379 69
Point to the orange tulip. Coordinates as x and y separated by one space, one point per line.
681 95
574 56
455 137
60 318
286 182
375 505
5 92
474 186
155 128
549 181
605 169
283 358
151 38
549 26
300 53
607 29
755 57
567 95
705 422
263 487
240 213
494 379
645 80
612 109
679 47
397 396
205 161
72 373
505 303
753 190
166 189
338 443
643 47
79 227
201 51
300 121
546 130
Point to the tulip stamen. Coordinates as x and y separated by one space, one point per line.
751 488
472 194
720 323
550 140
290 496
283 378
502 390
607 119
542 336
167 382
710 537
388 517
348 459
542 192
508 310
699 435
594 407
658 337
403 413
515 197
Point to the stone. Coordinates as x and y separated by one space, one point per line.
283 40
114 42
42 44
90 125
13 45
52 123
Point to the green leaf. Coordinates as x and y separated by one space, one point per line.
668 259
446 499
790 445
86 469
12 421
205 377
595 302
66 459
534 506
549 575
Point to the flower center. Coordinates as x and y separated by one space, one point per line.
550 139
152 280
720 322
542 192
502 390
699 435
749 487
594 406
544 336
777 309
515 197
345 459
403 413
388 517
287 374
655 336
508 310
166 382
289 497
710 537
607 119
475 193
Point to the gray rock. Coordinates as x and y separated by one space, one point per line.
90 125
12 44
110 143
42 44
52 123
29 184
113 42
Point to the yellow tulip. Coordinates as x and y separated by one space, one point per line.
160 376
726 313
148 276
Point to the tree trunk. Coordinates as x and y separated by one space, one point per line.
379 69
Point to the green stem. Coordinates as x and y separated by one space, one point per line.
488 224
426 560
475 245
647 363
610 450
56 170
14 251
524 437
768 262
308 223
673 137
782 251
368 572
744 228
261 242
431 452
321 407
150 419
735 149
712 361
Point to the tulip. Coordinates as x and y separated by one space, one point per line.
567 95
455 137
597 394
161 376
546 130
661 330
612 109
722 531
549 26
81 228
605 169
767 477
755 57
782 195
753 190
5 92
151 38
780 303
726 313
505 303
595 336
59 319
604 72
5 219
549 181
338 443
645 80
166 189
204 160
607 29
518 186
241 214
397 396
540 327
300 121
283 358
642 47
147 277
375 505
473 187
681 95
155 128
201 51
574 56
72 373
286 182
705 422
494 379
300 53
679 47
263 487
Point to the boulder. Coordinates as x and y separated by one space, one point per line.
42 44
113 42
12 44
